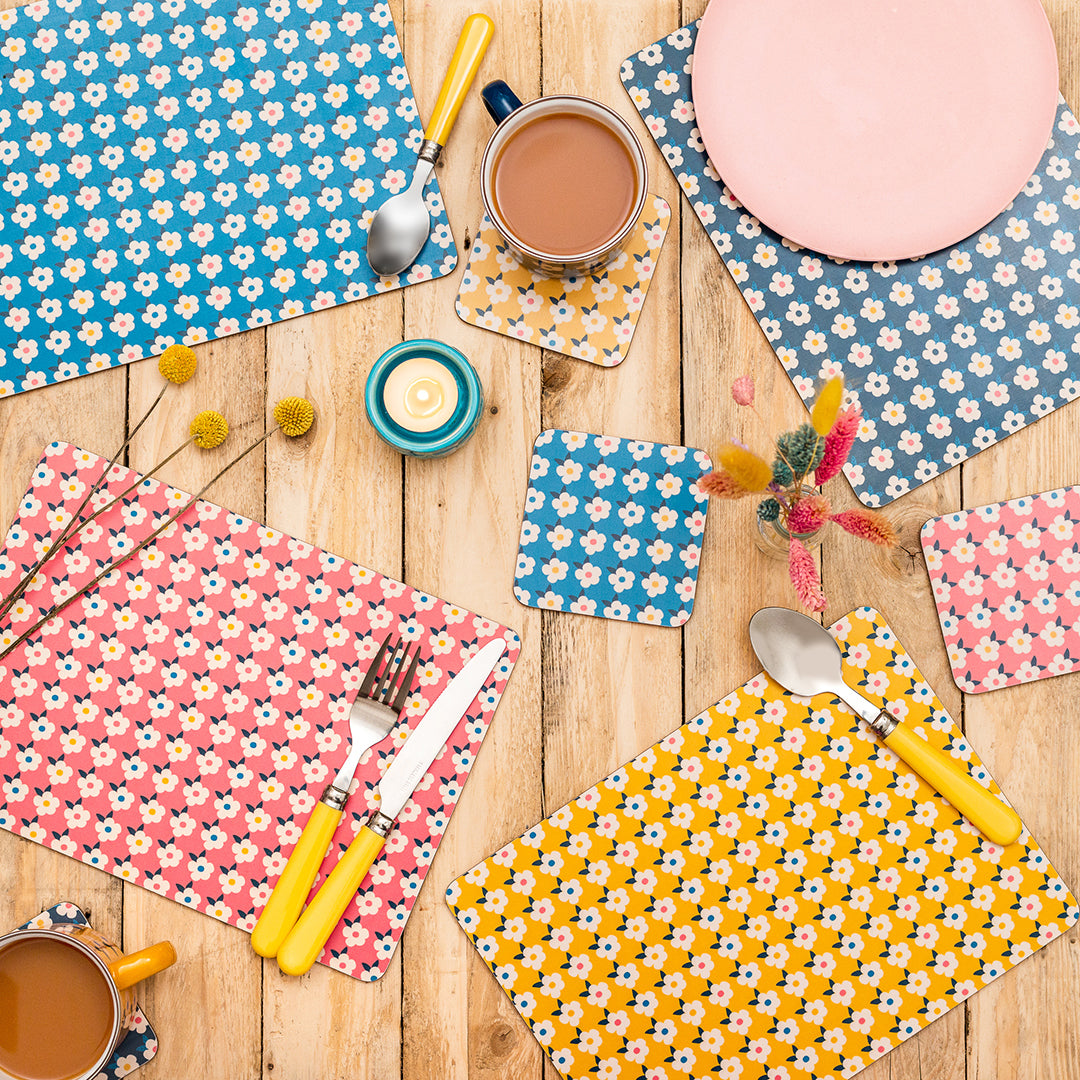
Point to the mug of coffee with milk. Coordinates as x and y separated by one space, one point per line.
67 1000
563 179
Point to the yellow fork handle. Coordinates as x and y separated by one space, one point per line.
287 900
306 939
951 779
470 50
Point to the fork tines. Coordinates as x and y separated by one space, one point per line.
388 686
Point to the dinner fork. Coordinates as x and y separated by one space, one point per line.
373 715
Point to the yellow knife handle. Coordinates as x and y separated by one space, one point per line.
951 779
470 50
306 939
287 900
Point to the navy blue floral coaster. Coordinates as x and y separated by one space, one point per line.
140 1044
612 528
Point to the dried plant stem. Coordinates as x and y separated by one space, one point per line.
56 609
74 521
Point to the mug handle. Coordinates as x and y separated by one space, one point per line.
133 968
499 100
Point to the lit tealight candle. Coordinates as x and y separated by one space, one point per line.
420 394
423 398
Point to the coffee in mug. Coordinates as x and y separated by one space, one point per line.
565 183
67 1000
43 982
563 179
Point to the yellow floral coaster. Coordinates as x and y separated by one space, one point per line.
766 894
591 317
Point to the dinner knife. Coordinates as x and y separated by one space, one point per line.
306 939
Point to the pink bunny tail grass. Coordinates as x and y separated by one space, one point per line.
722 485
804 576
867 525
808 514
838 444
742 390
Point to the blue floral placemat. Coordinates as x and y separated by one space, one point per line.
184 170
612 528
947 355
140 1044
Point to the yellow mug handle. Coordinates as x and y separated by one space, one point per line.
136 966
470 50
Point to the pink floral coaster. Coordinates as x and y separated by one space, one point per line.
176 725
590 318
1006 580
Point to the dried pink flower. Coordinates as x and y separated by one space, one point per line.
838 444
804 576
808 515
742 390
867 525
722 485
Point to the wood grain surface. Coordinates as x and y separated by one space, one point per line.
587 694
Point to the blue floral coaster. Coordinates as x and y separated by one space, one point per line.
140 1044
612 528
947 355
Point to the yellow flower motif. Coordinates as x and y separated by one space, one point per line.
177 363
209 429
294 415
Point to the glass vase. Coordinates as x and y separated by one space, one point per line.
772 538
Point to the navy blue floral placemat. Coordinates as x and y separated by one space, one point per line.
947 355
141 1043
612 528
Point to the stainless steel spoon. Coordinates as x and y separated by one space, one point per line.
804 658
401 225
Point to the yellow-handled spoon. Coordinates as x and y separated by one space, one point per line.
374 713
804 658
401 225
410 765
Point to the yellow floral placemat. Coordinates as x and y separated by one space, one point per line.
589 317
766 893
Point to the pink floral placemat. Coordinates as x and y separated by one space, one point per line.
1006 580
176 725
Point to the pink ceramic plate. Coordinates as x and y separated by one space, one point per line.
873 130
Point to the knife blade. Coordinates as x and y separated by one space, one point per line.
308 936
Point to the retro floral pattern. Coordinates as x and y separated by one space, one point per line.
612 528
947 355
185 170
768 893
1006 580
140 1044
591 318
176 725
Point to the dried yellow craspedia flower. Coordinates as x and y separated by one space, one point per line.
294 415
177 363
209 429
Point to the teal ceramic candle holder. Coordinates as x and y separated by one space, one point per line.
444 439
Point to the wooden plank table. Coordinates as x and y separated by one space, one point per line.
587 694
